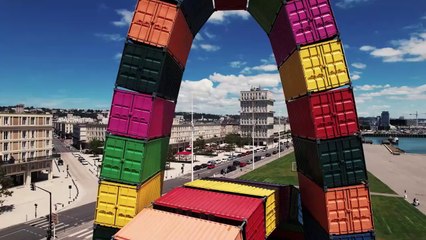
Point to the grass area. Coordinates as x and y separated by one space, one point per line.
395 218
278 171
378 186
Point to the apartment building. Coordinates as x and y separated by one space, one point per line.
64 126
83 134
26 145
257 112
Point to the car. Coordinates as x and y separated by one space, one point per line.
257 158
211 166
243 164
212 162
204 165
84 162
267 155
236 163
60 162
239 155
197 167
274 152
231 168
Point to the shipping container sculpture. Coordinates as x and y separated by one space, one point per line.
316 84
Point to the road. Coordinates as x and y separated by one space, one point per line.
80 216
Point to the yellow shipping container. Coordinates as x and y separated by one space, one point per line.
117 204
314 68
270 195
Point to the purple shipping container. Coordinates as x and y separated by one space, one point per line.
140 116
301 22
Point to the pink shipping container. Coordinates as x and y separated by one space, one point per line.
301 22
140 116
324 115
218 207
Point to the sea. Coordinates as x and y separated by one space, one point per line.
409 145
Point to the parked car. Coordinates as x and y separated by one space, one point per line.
267 155
231 168
243 164
60 162
274 152
211 166
197 167
204 165
84 162
257 158
236 163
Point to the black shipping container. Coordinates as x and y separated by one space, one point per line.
331 163
265 12
196 13
150 70
103 233
314 231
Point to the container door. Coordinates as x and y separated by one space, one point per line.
163 25
354 161
126 205
324 118
299 20
133 162
313 68
113 156
120 112
107 200
141 116
331 164
345 112
323 19
142 20
338 216
359 210
336 72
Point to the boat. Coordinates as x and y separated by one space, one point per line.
393 140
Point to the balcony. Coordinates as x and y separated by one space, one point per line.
31 164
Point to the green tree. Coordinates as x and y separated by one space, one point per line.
5 183
199 143
171 155
233 138
95 146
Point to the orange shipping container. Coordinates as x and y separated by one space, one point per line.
153 224
162 24
342 210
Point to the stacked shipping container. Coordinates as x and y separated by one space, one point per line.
330 161
323 118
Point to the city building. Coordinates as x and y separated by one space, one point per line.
26 145
257 111
64 126
83 134
385 120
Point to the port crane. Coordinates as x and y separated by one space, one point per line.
417 117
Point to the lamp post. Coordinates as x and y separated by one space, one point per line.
279 136
253 129
49 231
192 137
35 210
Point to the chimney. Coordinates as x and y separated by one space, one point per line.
19 108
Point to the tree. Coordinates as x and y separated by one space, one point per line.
171 155
5 183
233 138
199 143
95 146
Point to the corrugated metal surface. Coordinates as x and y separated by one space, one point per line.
301 22
339 211
324 115
331 163
150 70
197 12
140 116
271 208
230 4
151 224
283 194
219 207
133 161
265 12
117 203
103 233
162 24
313 231
314 68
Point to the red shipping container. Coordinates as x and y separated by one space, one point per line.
219 207
230 4
162 24
140 116
301 22
339 211
324 115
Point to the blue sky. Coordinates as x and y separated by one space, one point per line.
66 54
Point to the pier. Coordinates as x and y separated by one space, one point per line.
408 135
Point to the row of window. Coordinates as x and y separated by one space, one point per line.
25 155
27 134
24 121
30 145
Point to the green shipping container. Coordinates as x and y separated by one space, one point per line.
150 70
265 12
131 161
103 233
331 163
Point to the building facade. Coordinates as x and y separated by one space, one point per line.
64 126
257 112
83 134
26 145
385 120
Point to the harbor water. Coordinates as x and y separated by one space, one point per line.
409 145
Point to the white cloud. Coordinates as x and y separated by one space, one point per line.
359 65
237 64
355 77
126 18
349 3
368 87
209 47
222 17
404 50
404 93
110 37
209 35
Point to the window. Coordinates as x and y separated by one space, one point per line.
6 121
32 134
32 121
24 155
24 134
48 121
5 146
5 135
24 121
5 157
24 145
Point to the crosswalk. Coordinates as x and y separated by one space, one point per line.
86 233
43 223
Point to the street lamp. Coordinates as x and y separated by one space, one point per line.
253 128
49 231
35 210
70 187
